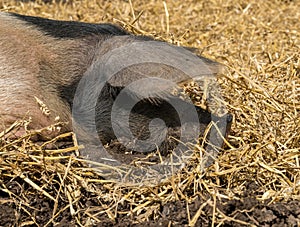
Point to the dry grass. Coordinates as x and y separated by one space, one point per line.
258 41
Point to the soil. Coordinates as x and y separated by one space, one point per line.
241 212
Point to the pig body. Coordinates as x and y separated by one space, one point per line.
47 59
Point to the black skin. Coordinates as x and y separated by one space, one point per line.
145 110
71 29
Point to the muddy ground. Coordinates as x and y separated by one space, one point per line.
247 211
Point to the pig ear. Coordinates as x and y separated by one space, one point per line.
150 81
151 68
215 67
167 72
166 59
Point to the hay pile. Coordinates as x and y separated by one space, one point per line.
258 41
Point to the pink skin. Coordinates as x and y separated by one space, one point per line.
23 51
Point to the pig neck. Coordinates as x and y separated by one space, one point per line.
79 56
70 64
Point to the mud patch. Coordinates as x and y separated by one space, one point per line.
238 212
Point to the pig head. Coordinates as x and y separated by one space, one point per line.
108 84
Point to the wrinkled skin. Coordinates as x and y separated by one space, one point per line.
47 59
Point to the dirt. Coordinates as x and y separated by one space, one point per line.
248 211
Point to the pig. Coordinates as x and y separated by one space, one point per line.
84 72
